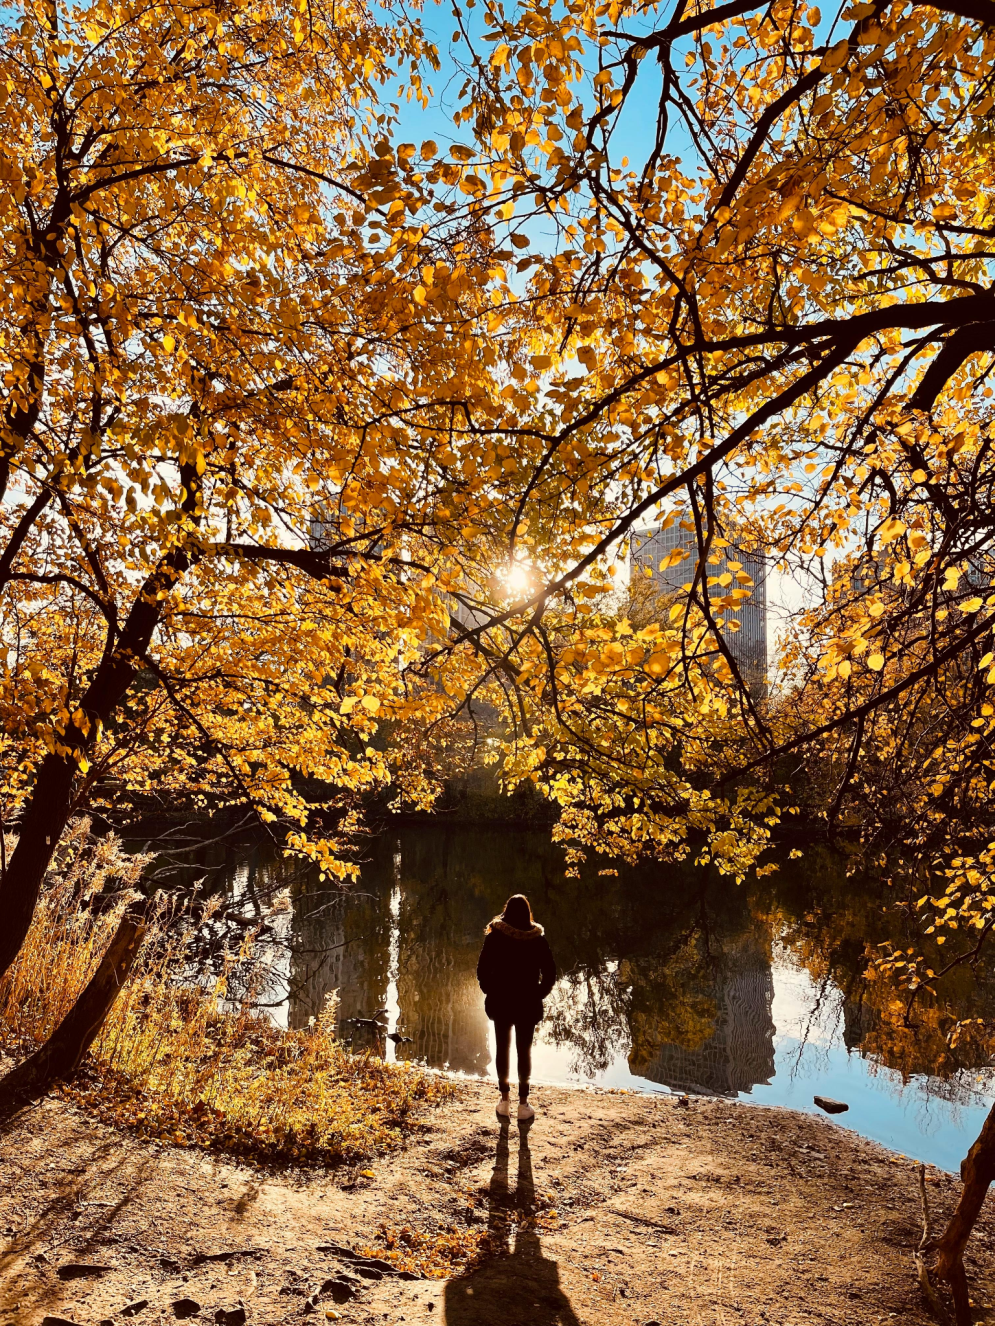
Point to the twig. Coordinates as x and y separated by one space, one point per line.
644 1220
927 1225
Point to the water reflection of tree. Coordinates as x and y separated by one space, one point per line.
833 924
650 958
232 887
634 1007
588 1013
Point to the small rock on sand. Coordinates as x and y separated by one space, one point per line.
76 1270
185 1307
234 1316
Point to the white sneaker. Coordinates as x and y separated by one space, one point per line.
525 1111
504 1108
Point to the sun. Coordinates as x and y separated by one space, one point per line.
518 578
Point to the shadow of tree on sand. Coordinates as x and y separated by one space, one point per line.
521 1285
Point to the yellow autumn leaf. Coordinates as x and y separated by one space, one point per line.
836 56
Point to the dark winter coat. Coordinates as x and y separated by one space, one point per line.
516 972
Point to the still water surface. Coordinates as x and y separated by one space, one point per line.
669 980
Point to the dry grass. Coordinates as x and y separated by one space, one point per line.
175 1059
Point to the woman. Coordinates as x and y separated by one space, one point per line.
516 972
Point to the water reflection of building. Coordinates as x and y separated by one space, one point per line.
438 998
736 1052
398 936
342 943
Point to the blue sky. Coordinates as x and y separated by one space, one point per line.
636 131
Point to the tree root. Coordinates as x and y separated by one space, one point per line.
919 1257
977 1172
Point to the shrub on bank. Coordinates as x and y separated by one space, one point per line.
177 1059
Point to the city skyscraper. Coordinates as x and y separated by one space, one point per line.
748 644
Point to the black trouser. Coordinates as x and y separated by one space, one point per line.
524 1031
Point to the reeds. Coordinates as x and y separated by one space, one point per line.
176 1059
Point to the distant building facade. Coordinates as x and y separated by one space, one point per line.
748 645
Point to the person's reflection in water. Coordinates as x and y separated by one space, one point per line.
518 1286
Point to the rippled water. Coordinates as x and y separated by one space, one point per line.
669 980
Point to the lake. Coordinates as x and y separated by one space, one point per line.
671 979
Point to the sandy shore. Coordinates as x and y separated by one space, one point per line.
611 1208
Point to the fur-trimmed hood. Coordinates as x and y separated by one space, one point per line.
512 931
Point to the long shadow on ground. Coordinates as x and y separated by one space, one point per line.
519 1285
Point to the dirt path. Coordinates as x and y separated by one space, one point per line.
712 1214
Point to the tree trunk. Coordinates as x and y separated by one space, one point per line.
61 1054
45 816
39 830
977 1172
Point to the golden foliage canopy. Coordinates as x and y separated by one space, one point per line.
310 433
